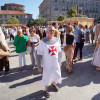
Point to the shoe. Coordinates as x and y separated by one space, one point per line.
46 94
74 60
55 87
97 68
35 66
66 69
25 66
80 59
70 71
7 73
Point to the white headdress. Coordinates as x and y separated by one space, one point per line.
1 34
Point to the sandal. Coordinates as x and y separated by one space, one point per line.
97 68
46 94
55 87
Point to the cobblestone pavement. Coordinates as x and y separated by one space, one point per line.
83 84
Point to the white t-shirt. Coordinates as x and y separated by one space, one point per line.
34 38
94 28
61 30
87 30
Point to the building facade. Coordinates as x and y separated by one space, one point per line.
50 9
14 10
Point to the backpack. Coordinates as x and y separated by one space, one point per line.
69 38
44 34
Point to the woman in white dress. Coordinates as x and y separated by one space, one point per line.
87 39
34 41
96 56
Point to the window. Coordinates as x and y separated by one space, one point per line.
96 3
0 16
1 22
5 16
55 0
63 1
92 15
96 10
56 7
56 15
67 8
95 16
16 16
15 7
9 7
5 20
63 8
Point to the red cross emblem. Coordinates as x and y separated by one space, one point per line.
52 50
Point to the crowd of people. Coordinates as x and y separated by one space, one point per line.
45 44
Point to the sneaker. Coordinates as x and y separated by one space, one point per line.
55 87
74 60
35 66
46 94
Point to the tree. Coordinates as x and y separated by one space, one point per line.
99 18
41 20
38 21
80 15
61 18
13 20
72 12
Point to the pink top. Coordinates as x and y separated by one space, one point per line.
97 30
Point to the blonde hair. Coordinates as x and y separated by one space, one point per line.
69 29
19 33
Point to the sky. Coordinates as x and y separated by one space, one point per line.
31 6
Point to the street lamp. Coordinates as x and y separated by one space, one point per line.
77 7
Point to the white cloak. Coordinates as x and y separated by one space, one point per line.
51 67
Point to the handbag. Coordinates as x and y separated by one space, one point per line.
66 48
29 49
4 53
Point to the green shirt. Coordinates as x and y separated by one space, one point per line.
20 43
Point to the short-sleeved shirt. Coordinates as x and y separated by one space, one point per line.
34 38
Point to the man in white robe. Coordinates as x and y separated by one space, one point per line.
49 53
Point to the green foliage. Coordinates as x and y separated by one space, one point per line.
72 12
38 21
99 18
61 18
80 15
41 20
13 20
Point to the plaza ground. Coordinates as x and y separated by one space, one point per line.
83 84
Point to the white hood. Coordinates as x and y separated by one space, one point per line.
1 34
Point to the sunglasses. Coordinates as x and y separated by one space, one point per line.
30 30
51 30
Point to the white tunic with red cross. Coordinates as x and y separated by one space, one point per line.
51 67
